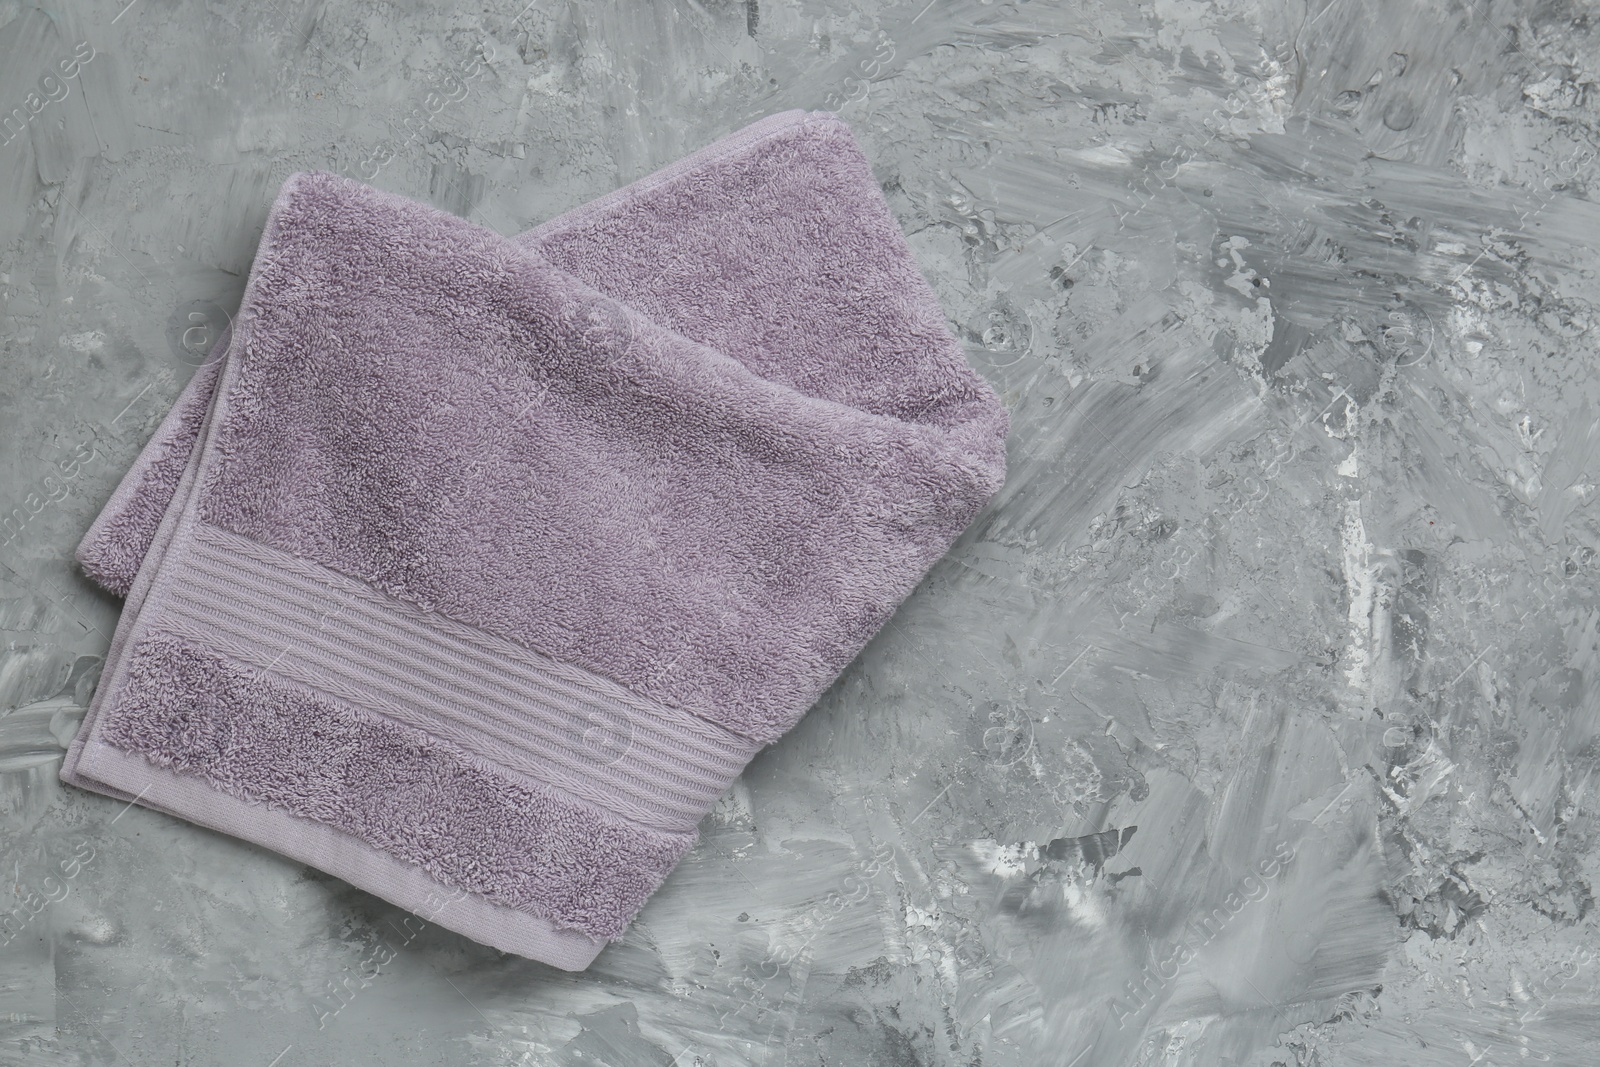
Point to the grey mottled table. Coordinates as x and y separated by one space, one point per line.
1257 722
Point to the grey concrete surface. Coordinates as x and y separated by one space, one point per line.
1257 723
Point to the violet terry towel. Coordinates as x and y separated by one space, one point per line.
478 568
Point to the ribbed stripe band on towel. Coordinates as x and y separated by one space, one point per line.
388 744
559 724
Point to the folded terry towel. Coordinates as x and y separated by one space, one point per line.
480 567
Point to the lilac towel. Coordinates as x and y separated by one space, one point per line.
480 567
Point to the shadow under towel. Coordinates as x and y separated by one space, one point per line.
478 568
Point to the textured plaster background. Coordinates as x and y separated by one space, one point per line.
1258 722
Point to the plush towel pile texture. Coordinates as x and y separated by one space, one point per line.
473 569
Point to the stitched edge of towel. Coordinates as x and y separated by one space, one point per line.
116 543
130 775
421 799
